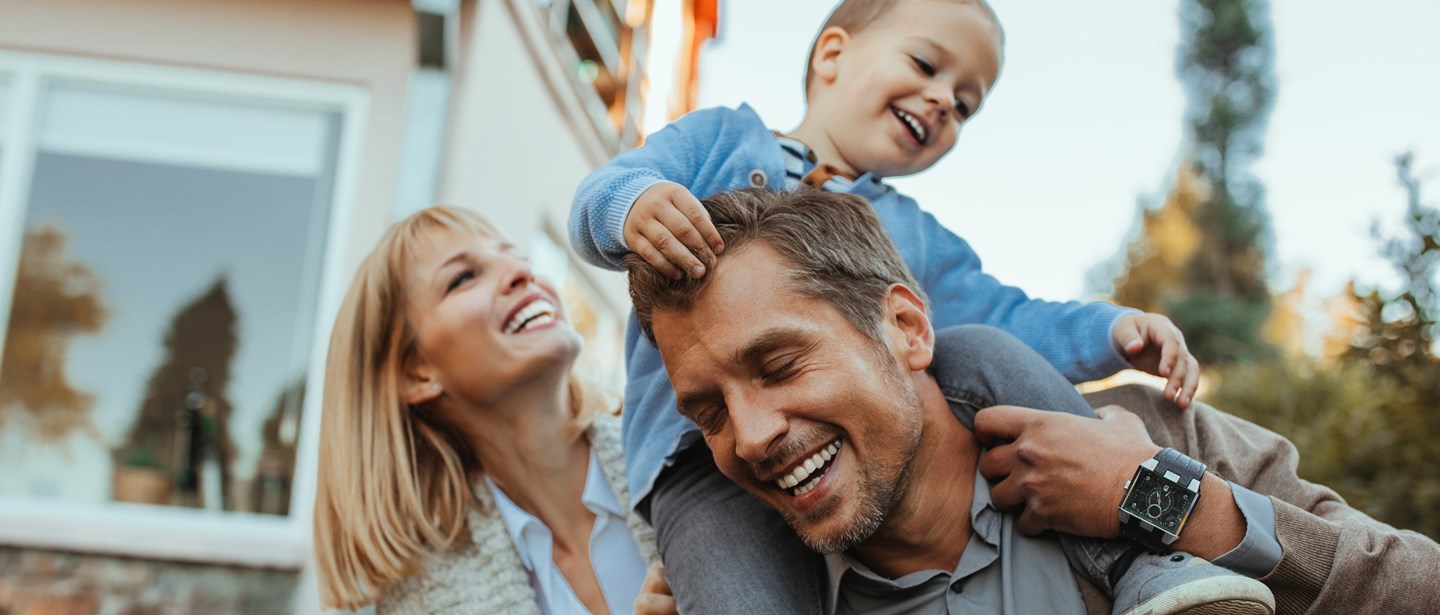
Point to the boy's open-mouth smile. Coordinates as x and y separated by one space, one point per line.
916 126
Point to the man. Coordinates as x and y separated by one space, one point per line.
806 368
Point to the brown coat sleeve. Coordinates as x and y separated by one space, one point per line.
1336 558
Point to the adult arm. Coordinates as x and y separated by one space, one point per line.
1334 558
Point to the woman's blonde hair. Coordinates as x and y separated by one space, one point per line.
394 483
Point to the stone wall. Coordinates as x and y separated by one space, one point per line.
36 582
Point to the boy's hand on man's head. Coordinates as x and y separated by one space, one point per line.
1155 345
668 227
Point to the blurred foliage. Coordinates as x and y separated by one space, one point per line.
1365 420
56 300
1200 257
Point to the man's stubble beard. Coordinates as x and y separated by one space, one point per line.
880 488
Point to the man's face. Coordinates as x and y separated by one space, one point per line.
801 409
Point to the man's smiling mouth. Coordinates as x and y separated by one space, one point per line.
808 474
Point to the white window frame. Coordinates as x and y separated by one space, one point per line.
163 532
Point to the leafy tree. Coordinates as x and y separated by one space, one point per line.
55 300
1365 423
1214 286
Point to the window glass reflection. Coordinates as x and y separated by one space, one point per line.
161 320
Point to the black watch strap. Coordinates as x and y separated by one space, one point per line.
1189 471
1171 460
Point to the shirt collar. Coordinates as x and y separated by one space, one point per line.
985 525
868 185
524 527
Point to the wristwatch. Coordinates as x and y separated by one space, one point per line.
1158 500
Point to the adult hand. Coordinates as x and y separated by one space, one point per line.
668 227
1156 346
1063 472
655 597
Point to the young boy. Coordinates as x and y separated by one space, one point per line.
889 84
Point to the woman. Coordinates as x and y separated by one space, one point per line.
462 466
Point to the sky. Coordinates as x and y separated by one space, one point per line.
1085 124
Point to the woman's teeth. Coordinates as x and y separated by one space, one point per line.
538 312
807 474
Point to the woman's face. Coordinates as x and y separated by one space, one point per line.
484 324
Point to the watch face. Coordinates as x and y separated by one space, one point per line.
1159 502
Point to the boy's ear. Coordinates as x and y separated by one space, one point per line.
418 382
824 64
910 327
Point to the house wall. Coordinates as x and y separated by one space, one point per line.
518 157
368 43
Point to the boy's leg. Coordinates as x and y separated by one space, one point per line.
725 551
978 366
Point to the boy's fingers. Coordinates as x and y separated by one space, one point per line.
1192 381
1176 381
642 246
684 230
693 211
1127 335
673 250
1167 360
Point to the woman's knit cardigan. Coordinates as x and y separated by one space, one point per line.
485 575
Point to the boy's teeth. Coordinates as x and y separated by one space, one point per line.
803 472
538 311
916 127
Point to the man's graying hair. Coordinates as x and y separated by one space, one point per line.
834 245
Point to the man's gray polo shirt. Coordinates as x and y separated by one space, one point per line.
1001 571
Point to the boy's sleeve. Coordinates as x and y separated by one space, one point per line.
675 153
1073 336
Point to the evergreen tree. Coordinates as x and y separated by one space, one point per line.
1365 423
185 414
1217 292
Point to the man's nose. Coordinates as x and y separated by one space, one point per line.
758 429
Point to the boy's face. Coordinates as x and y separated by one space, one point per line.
901 88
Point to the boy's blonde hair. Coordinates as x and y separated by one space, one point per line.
854 16
394 480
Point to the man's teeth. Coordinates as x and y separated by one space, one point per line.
803 472
916 128
538 312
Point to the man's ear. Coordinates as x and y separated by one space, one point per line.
419 383
906 313
824 63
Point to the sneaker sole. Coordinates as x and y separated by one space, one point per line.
1231 596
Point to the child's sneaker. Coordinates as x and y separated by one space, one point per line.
1161 584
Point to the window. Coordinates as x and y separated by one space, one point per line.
605 52
161 305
